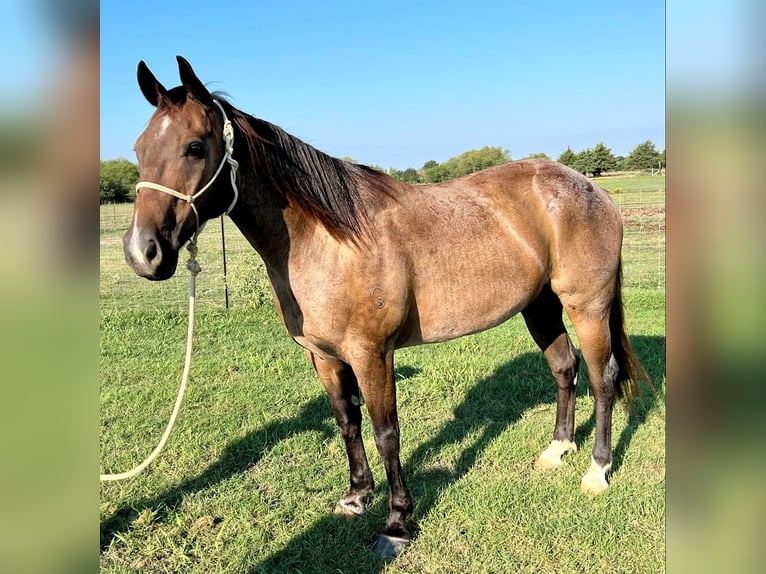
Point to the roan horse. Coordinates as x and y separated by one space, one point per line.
361 264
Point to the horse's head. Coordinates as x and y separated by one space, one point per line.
180 156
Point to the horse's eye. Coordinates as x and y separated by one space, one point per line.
195 150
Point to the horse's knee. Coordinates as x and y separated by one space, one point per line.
562 358
349 429
565 369
387 441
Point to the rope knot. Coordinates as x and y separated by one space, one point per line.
228 137
192 264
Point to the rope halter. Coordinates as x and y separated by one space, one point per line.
228 157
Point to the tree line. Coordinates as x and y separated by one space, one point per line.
592 162
600 159
119 176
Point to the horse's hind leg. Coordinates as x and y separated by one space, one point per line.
592 328
341 385
544 321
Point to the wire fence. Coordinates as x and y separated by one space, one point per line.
643 213
643 244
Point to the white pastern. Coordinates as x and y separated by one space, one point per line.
594 481
551 456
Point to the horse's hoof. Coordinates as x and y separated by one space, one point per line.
348 511
593 486
551 456
594 482
389 547
546 464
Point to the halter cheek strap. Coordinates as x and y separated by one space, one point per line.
228 139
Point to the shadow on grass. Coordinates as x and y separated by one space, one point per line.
240 455
333 544
652 352
236 458
491 405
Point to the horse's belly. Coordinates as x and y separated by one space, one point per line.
463 300
452 322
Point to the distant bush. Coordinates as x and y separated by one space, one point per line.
117 181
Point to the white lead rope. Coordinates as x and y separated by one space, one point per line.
193 266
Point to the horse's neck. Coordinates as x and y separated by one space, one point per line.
274 232
270 224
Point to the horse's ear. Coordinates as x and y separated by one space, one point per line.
192 83
153 91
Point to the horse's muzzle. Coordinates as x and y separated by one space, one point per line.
149 255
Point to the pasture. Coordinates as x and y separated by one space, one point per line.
255 465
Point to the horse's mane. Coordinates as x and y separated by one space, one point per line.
326 188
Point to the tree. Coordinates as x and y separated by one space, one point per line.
644 156
117 180
410 175
584 162
476 160
435 173
111 192
458 166
602 159
567 157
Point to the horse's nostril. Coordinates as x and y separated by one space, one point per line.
151 250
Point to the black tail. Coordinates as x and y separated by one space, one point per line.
630 369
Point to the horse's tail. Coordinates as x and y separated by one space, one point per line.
630 370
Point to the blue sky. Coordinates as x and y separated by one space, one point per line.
400 83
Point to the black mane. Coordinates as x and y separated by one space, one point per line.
326 188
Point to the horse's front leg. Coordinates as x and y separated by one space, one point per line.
375 373
340 383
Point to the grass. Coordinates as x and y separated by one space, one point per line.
255 465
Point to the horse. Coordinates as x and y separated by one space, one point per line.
361 264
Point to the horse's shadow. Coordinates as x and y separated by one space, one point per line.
240 455
335 544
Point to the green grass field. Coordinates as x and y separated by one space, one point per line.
255 465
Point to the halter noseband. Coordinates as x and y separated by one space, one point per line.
228 139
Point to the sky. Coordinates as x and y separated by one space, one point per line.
399 83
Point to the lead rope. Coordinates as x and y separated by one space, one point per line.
194 268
